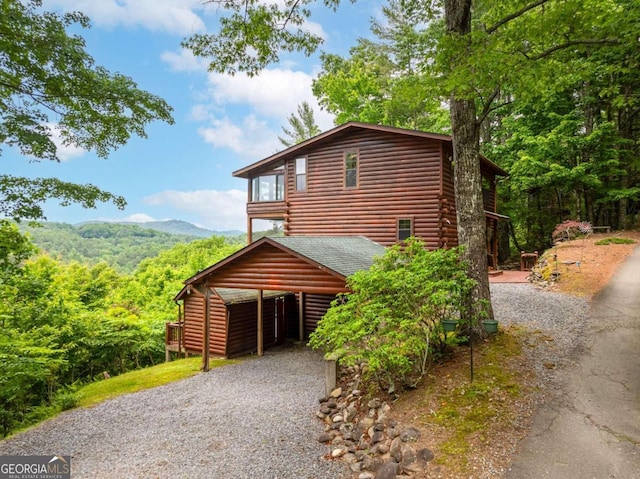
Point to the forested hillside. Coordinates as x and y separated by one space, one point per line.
121 246
176 227
65 323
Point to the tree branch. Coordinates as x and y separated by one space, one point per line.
571 43
487 106
515 15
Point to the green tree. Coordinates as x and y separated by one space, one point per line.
383 81
392 319
50 87
489 52
302 126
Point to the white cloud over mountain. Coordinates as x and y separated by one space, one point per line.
218 210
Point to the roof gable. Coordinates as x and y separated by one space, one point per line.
340 131
318 264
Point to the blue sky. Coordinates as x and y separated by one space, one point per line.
222 123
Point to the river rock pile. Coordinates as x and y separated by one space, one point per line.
362 434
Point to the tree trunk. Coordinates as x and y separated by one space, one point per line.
467 179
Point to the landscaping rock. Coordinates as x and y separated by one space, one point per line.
388 470
410 434
364 436
425 455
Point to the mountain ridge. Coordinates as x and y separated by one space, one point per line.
179 227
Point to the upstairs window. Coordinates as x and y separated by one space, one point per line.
301 174
405 229
351 169
268 188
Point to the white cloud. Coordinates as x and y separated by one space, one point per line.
183 60
64 152
274 93
252 139
271 97
172 16
218 210
140 218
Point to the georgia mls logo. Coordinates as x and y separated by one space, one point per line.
35 467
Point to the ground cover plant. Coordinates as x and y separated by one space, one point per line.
607 241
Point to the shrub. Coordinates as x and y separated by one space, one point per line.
607 241
391 320
571 229
66 400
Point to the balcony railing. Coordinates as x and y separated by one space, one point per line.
173 338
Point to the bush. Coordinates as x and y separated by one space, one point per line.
66 400
607 241
571 229
392 319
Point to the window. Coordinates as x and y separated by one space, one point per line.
268 188
405 229
301 174
351 169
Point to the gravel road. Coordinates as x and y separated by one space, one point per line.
250 420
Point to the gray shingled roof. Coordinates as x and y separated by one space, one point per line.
343 254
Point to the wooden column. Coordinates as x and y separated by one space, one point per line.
207 329
260 323
301 316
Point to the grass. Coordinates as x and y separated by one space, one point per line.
141 379
607 241
466 414
133 381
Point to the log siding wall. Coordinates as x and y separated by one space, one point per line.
399 177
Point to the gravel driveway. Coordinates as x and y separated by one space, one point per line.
250 420
253 420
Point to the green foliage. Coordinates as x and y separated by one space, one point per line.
50 88
254 33
384 81
120 245
391 320
46 71
61 323
302 126
607 241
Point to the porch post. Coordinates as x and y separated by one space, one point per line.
260 323
207 327
301 316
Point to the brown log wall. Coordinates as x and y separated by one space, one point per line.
448 222
398 177
217 326
272 269
315 307
193 322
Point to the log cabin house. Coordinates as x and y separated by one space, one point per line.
342 196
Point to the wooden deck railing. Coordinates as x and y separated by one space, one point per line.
173 334
173 339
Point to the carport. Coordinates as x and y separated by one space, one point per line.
315 268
